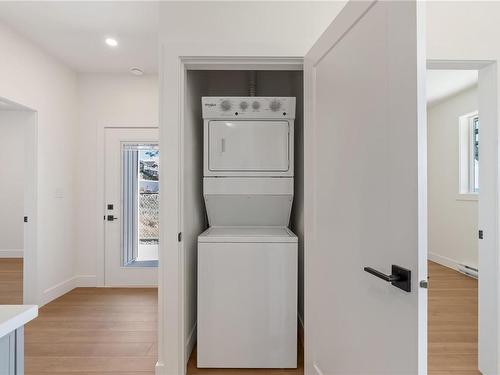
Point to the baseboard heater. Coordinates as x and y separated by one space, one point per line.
468 270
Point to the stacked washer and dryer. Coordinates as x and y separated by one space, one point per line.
247 258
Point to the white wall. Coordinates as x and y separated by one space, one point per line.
208 29
453 221
105 100
30 77
469 31
12 169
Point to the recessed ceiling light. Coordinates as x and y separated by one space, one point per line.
136 71
112 42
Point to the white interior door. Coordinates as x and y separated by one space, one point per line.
366 192
131 206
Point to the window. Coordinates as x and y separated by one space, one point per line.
469 154
140 199
474 162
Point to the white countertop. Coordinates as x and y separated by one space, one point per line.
14 316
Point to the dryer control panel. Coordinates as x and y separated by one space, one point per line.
217 107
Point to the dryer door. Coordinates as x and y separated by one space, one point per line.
248 146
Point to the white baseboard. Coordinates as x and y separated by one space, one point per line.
58 290
317 369
160 368
66 286
86 281
191 341
444 261
17 253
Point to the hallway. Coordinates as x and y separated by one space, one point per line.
113 331
94 331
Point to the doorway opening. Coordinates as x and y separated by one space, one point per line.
224 79
18 276
461 200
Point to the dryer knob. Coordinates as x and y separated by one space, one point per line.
275 105
243 105
255 105
225 105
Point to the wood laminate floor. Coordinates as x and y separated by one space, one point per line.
11 281
94 331
107 331
452 322
193 370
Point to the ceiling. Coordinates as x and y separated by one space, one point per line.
74 32
442 84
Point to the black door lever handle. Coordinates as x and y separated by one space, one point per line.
400 277
380 275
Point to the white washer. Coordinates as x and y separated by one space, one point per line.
247 298
247 259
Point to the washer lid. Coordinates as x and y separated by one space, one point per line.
247 234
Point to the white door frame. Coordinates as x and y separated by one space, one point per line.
31 294
489 208
101 193
172 356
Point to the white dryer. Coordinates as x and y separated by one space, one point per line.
247 259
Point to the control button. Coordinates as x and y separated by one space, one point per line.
225 105
255 105
243 105
275 105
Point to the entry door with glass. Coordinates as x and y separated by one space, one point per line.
131 206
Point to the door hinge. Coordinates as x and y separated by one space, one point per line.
481 234
179 237
26 219
423 284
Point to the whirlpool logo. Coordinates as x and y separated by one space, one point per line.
210 104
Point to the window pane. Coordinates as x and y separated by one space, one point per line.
475 152
140 195
149 212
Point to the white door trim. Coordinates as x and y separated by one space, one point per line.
489 208
172 345
31 293
101 201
